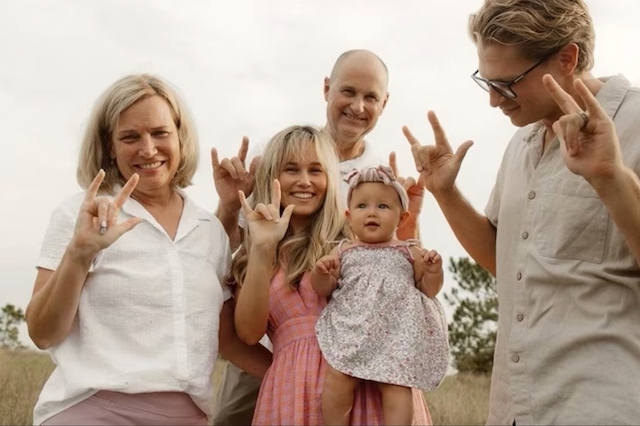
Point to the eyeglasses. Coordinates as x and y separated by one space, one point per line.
504 87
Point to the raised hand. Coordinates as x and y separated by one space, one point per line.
231 176
97 224
437 164
588 139
415 191
266 225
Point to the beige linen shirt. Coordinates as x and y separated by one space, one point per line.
568 345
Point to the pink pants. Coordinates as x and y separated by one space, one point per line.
115 408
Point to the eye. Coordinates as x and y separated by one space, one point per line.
317 170
371 98
290 169
361 206
129 138
383 206
161 133
348 92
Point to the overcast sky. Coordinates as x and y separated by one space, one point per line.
247 67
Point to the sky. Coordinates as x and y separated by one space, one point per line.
245 67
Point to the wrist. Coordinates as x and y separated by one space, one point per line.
608 184
79 255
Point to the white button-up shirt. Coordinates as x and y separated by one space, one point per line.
149 311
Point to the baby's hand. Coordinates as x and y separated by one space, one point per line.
432 261
327 265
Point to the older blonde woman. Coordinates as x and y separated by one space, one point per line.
129 298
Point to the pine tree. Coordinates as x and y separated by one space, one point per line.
10 319
472 333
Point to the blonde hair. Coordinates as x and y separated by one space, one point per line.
96 143
537 27
297 252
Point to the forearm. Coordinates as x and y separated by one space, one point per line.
229 219
409 229
252 303
473 230
323 284
621 195
254 360
55 301
431 284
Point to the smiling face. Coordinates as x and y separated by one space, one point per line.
375 211
356 95
145 141
303 183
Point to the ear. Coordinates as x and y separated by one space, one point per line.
384 102
347 214
568 57
327 84
404 216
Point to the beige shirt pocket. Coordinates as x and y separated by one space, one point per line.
571 222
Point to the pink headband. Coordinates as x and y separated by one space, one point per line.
382 174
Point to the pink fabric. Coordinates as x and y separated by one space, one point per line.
115 408
292 388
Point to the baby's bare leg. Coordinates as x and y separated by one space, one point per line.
397 404
337 397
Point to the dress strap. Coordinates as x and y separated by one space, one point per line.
411 242
340 243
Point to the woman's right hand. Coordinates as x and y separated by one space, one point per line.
266 225
97 224
437 164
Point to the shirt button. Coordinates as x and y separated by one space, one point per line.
532 195
519 276
515 358
525 235
520 317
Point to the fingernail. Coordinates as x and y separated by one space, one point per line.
103 227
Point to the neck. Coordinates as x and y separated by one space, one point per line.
157 199
347 149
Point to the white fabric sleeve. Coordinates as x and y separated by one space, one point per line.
59 233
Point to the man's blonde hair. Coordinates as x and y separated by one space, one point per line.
537 27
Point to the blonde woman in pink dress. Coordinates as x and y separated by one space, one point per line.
383 323
291 219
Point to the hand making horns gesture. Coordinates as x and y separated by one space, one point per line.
267 225
437 164
97 224
231 176
588 139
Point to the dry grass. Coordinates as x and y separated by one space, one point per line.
460 399
22 375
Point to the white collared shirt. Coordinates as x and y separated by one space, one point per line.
148 315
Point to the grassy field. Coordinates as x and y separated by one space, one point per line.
460 400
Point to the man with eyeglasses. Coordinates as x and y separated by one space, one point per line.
561 230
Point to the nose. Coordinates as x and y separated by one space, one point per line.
305 179
147 146
495 98
357 105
